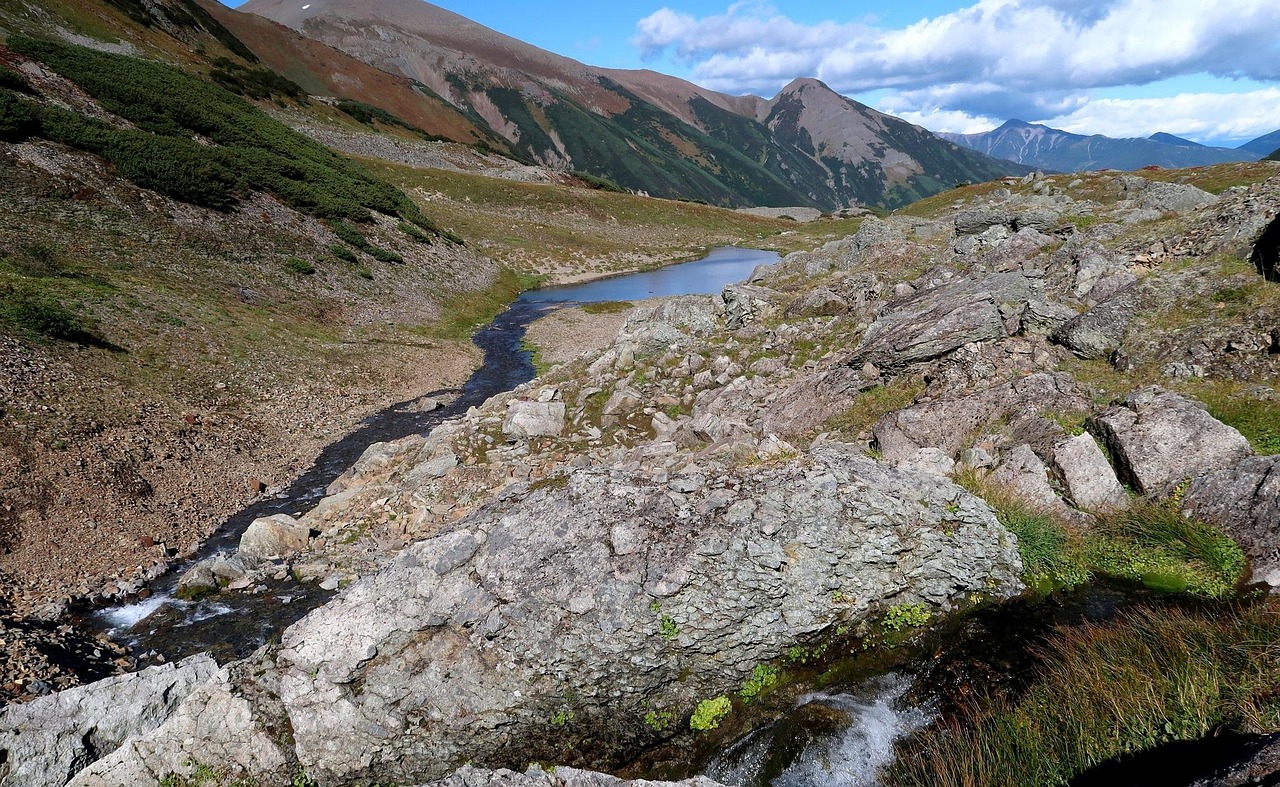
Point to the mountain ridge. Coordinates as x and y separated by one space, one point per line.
1039 145
647 131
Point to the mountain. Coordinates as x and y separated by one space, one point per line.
1264 144
1050 148
1170 139
646 131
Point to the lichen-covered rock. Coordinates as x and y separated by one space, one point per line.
225 723
534 419
1086 476
1158 439
49 740
934 322
1098 332
1244 500
607 595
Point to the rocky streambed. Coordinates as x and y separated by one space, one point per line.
635 559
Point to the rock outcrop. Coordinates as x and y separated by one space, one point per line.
1244 499
49 740
1159 439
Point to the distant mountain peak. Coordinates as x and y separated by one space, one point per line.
1170 139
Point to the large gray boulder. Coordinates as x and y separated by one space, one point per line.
1086 476
935 322
1244 499
275 535
1157 439
1098 332
574 608
226 723
951 424
534 419
49 740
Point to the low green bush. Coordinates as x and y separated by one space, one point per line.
299 266
384 255
343 253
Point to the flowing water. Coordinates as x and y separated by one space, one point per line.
232 625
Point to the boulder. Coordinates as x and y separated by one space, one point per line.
977 220
1178 197
534 419
219 724
1244 500
951 424
1158 439
47 741
1022 473
745 303
1098 332
1086 476
934 322
818 302
279 535
600 599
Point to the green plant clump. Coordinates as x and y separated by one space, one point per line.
905 616
299 266
660 720
709 713
763 677
343 253
667 628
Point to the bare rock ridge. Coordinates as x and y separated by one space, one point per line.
807 146
568 572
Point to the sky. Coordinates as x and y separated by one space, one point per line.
1205 70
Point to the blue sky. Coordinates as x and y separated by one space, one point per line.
1209 71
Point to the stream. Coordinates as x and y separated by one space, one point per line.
841 734
233 625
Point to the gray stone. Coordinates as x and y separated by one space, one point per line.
1244 500
978 220
534 419
1022 473
934 322
1086 476
745 303
49 740
819 302
218 724
535 776
1158 439
1100 331
278 534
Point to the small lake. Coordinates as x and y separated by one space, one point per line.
707 276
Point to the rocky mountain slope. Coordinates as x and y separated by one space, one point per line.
648 132
1052 149
625 551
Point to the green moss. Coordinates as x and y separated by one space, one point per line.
660 720
709 714
607 307
667 628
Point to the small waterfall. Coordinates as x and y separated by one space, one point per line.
840 740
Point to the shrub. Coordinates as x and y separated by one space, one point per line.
384 255
257 83
364 273
18 117
251 151
343 253
350 235
299 266
12 80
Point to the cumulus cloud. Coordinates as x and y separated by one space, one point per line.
995 58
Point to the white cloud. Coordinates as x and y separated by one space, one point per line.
995 58
1214 116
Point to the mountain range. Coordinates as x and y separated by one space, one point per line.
1040 146
643 130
